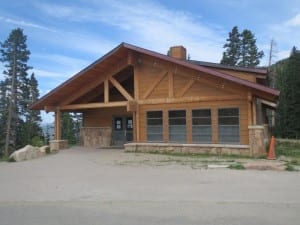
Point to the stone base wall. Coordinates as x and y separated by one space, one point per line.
56 145
96 137
257 141
214 149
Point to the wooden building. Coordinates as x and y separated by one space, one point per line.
148 101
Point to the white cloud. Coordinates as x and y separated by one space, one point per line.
25 24
294 22
61 61
147 24
49 74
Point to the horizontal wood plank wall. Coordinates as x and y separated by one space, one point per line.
102 117
243 75
214 106
186 83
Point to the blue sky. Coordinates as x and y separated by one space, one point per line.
65 36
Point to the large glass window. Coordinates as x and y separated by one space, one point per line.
229 125
155 126
177 126
201 126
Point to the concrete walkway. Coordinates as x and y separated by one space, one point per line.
81 186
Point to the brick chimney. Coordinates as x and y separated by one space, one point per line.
177 52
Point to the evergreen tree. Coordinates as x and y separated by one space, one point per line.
288 82
232 53
241 49
30 131
16 91
68 131
250 56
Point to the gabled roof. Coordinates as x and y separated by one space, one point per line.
259 71
111 59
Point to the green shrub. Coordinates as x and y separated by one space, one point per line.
290 167
37 141
48 150
237 166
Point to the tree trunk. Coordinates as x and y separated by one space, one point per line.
12 103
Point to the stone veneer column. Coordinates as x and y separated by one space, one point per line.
256 141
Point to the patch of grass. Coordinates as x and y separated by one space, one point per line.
295 162
48 150
289 149
199 155
7 159
236 166
290 167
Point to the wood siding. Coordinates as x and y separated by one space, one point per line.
165 86
102 117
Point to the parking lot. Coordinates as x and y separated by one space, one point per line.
85 186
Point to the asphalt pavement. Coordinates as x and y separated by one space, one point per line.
84 186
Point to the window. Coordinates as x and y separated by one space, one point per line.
201 126
155 126
118 124
229 125
177 126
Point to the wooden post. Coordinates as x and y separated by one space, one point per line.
165 126
250 123
254 111
57 133
189 133
171 84
106 91
136 114
215 132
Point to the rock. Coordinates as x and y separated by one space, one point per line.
26 153
44 149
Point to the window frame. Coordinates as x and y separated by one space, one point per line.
160 126
170 138
193 126
235 139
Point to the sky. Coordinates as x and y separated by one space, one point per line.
66 36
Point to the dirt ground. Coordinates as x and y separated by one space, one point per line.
85 186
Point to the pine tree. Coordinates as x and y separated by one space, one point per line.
249 57
31 131
288 82
241 49
15 90
232 53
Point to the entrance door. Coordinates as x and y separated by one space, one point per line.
122 130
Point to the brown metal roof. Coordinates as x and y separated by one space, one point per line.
84 77
262 71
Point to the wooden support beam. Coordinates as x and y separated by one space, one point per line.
120 88
49 108
57 134
215 128
206 79
250 123
190 99
93 105
254 111
171 85
130 58
131 106
136 82
186 88
91 85
106 91
189 128
154 84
